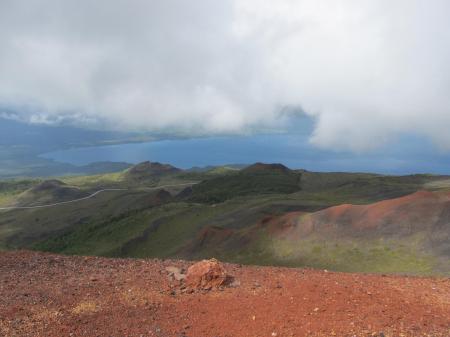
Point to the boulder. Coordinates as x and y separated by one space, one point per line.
207 274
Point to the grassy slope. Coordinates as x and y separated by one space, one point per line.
11 189
22 228
100 236
159 231
95 181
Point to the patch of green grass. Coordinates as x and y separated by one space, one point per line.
361 187
440 184
11 189
120 180
97 180
403 256
222 170
8 198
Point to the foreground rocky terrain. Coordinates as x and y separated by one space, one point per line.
51 295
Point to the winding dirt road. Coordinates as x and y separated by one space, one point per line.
93 195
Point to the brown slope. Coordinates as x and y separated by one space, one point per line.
422 211
213 240
50 295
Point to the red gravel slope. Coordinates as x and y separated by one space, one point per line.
50 295
420 211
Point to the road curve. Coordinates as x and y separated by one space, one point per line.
93 195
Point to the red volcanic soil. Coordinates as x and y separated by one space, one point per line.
422 204
420 211
286 220
50 295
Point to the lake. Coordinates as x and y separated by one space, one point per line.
292 150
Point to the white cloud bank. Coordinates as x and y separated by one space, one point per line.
366 70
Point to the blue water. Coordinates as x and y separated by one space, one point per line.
292 150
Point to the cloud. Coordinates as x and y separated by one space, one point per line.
366 71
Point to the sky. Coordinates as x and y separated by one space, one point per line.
368 73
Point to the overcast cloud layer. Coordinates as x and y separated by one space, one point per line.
367 71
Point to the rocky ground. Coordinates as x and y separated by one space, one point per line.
50 295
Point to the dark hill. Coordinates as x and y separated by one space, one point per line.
47 185
262 167
185 193
146 170
254 180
